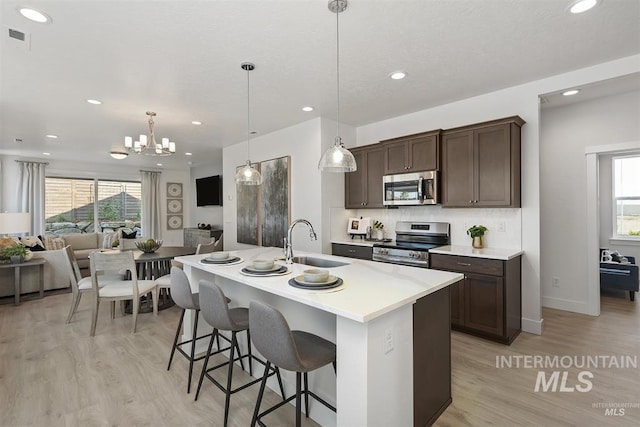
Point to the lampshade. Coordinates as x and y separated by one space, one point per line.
248 175
14 223
337 159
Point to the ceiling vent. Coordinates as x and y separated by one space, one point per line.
16 38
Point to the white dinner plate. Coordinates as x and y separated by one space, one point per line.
252 269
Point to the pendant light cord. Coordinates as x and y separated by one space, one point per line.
248 115
338 76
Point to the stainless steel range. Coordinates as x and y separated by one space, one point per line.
412 244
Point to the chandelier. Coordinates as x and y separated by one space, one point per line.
148 145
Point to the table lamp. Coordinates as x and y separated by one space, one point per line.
14 222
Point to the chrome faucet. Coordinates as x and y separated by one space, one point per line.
288 246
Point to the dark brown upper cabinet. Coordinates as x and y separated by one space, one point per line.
412 153
481 164
363 188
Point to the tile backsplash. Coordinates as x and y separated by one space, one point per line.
504 224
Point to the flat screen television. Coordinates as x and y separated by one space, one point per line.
209 191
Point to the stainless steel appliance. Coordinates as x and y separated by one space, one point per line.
412 244
417 188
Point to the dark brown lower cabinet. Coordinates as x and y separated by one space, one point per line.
487 303
352 251
431 357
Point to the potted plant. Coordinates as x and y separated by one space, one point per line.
16 253
476 232
378 230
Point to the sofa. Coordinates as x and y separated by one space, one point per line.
621 277
56 275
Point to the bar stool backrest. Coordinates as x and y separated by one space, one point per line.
181 290
272 337
214 308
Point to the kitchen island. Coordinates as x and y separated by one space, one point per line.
370 318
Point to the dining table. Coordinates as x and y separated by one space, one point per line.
152 265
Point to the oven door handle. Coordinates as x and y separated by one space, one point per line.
420 181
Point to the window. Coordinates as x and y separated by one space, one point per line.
626 191
70 205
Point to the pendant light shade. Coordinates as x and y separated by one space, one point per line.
248 175
337 158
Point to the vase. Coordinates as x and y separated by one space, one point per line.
17 259
477 242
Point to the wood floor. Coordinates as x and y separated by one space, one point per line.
52 374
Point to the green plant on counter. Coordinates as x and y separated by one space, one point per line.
477 231
15 250
378 225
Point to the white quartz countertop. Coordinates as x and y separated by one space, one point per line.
370 289
489 253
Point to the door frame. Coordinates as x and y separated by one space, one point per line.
592 155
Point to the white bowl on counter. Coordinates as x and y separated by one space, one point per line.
219 255
263 264
315 275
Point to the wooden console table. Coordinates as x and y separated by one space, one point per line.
17 281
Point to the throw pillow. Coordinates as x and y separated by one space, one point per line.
131 235
33 243
52 243
108 240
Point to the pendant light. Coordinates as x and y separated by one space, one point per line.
248 175
337 158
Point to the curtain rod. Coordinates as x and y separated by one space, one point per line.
28 161
142 170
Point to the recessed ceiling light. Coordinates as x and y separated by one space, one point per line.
118 155
582 6
188 154
46 154
398 75
195 122
158 164
571 92
307 108
34 15
94 101
52 136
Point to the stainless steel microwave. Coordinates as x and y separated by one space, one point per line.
407 189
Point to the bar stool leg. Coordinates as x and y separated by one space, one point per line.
298 400
249 350
206 362
175 341
234 344
279 382
193 349
256 411
306 395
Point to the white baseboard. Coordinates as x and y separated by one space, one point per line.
532 326
567 305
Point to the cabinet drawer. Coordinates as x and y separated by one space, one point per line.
464 264
352 251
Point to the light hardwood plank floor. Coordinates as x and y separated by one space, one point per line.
52 374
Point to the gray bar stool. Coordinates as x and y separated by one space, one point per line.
217 313
185 299
296 351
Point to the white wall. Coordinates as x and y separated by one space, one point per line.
97 170
566 132
523 101
205 214
303 143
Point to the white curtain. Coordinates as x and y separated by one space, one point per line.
31 193
150 223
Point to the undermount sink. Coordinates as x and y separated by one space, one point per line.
318 262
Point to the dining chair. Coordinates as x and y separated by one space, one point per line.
120 290
79 284
164 282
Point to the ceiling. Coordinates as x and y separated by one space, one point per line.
182 60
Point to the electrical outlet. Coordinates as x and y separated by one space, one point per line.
502 227
388 340
555 282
